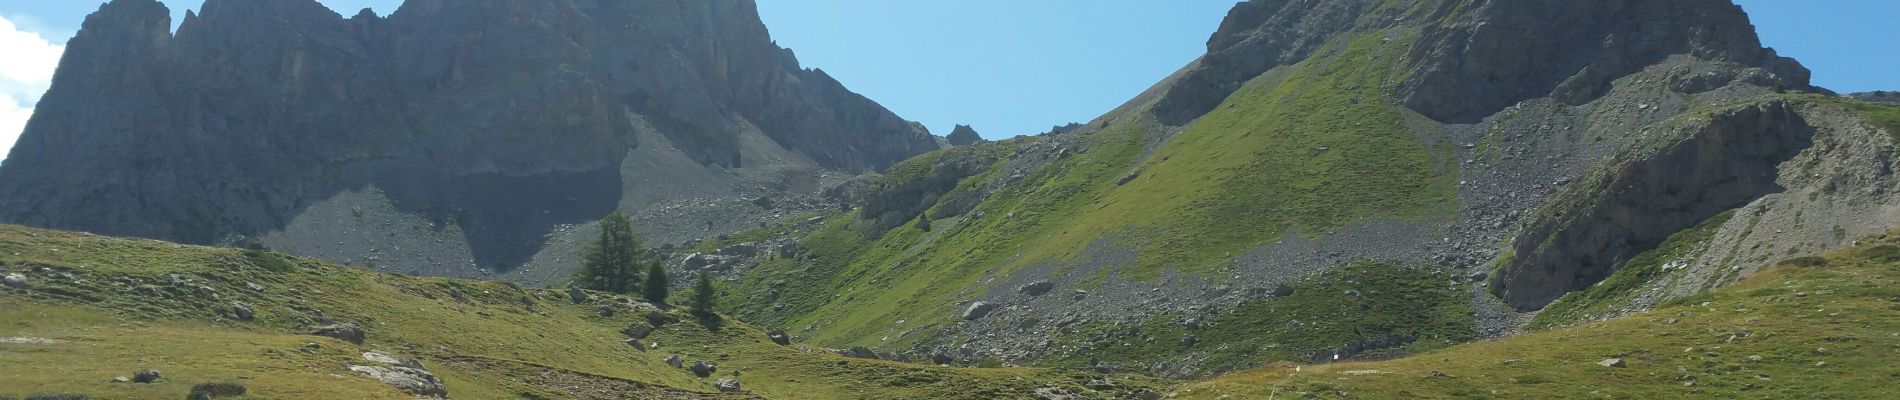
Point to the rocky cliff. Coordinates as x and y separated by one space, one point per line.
450 137
1345 178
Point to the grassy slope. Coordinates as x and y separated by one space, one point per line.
1247 174
1845 314
120 313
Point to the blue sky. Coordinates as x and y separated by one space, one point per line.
1011 67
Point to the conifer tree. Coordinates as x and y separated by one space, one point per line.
612 262
656 287
704 295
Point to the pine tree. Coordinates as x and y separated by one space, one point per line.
656 288
704 295
612 263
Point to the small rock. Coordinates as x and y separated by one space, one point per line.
941 359
1755 358
574 293
1819 364
676 361
347 332
16 281
121 379
978 310
727 385
147 376
704 369
635 344
1613 363
254 286
605 311
778 336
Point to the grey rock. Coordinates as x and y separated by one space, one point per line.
1037 288
703 369
242 311
675 361
779 337
941 359
637 330
575 294
978 310
16 281
605 311
147 376
347 332
407 375
859 352
727 385
1613 362
121 379
635 344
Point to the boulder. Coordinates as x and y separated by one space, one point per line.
704 369
407 375
859 352
347 332
1612 363
147 376
635 344
241 311
658 318
605 311
727 385
778 336
638 330
696 261
978 310
941 359
16 281
575 294
1037 289
676 361
740 250
1283 290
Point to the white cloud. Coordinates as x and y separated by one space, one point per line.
24 76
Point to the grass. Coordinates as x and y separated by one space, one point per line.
121 312
1842 313
1621 287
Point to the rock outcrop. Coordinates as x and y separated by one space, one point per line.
459 134
964 135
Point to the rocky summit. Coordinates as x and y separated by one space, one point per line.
462 138
1338 199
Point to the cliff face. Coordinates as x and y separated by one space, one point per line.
496 119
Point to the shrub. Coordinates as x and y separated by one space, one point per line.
213 390
1805 262
1881 253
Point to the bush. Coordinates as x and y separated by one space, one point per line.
1881 253
1805 262
63 396
213 390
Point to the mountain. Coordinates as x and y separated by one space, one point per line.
1341 179
462 138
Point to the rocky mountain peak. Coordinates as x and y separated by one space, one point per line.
1474 57
504 119
964 135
